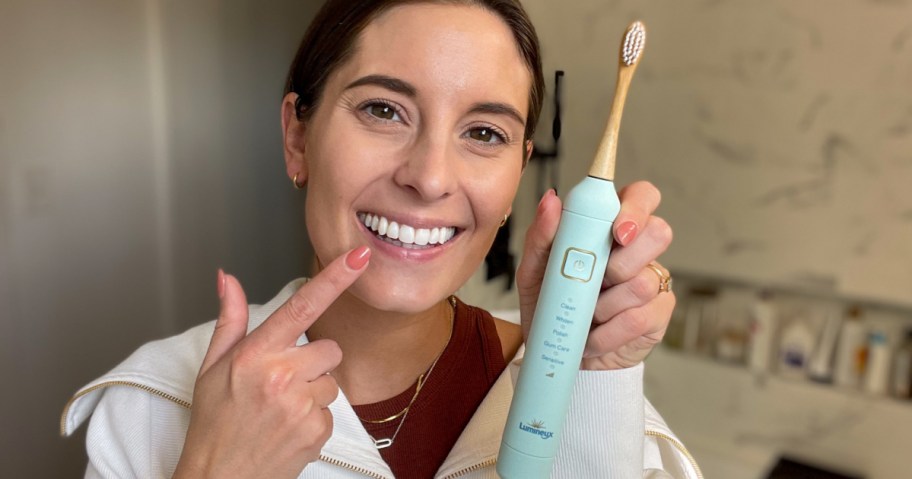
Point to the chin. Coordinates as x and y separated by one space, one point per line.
398 296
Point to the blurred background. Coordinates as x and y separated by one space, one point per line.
140 150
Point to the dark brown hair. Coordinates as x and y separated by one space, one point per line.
331 37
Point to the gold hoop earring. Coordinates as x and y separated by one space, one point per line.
295 182
504 220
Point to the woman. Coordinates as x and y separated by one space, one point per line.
410 123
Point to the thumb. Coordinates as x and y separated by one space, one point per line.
231 325
536 251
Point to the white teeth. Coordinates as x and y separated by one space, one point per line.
393 231
421 236
405 234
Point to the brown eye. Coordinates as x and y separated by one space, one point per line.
485 135
384 112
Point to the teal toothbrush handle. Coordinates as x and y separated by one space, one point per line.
563 315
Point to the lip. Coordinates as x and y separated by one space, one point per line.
414 255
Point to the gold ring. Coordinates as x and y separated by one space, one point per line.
664 278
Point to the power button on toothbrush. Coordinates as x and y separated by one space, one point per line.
578 264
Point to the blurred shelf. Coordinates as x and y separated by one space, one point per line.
726 411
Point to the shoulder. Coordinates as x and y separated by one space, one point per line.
135 433
140 410
509 330
511 338
165 368
507 327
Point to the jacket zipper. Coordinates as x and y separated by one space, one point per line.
162 394
344 465
481 465
680 447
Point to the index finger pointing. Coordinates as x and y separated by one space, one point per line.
304 307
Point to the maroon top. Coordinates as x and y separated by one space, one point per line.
465 372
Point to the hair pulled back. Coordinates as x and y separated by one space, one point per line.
330 41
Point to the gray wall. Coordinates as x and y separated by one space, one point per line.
139 151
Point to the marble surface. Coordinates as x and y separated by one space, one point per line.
779 132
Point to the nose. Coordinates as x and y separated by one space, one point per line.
429 168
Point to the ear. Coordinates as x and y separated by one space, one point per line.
527 154
293 140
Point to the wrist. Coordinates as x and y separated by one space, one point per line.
191 466
607 363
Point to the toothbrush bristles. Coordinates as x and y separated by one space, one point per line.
633 43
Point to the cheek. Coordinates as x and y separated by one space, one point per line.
492 193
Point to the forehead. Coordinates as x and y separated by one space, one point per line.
444 50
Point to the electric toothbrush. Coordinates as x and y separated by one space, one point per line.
563 315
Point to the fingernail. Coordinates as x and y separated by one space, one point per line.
548 194
626 232
358 258
221 284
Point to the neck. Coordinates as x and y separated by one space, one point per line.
383 352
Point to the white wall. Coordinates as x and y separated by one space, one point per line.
139 151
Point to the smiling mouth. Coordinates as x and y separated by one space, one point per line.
406 236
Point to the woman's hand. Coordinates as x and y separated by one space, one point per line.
631 315
260 402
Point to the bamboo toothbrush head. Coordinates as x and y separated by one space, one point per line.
633 44
631 51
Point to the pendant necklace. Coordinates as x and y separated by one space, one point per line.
386 442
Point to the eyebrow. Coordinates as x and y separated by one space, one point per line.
405 88
498 109
390 83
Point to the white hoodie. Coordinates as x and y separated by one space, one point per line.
141 410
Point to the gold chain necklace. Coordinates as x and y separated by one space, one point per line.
422 380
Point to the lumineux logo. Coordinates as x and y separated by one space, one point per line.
536 427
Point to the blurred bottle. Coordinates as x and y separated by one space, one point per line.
762 333
852 350
877 368
797 343
700 320
732 342
902 369
820 368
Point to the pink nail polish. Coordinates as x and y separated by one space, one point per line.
358 258
221 283
626 232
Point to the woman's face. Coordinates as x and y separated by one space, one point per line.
420 131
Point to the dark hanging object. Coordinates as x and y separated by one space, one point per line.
499 261
547 159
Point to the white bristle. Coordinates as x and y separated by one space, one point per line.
633 43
